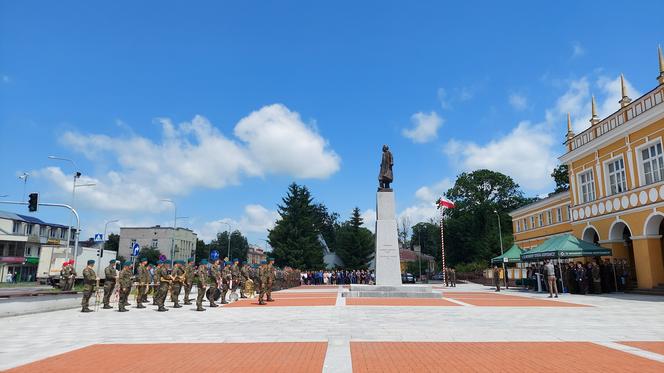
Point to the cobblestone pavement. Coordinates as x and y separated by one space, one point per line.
606 325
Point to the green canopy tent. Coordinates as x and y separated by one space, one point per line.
513 255
564 246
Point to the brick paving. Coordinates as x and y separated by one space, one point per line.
294 357
494 357
399 302
656 347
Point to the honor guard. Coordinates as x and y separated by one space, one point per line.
111 276
263 278
235 275
245 276
155 282
215 282
89 282
125 281
226 278
143 277
178 280
203 282
164 284
188 280
272 276
72 275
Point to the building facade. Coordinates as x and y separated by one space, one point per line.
255 255
21 238
616 194
182 241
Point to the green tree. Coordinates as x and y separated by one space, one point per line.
471 228
294 238
560 175
112 243
239 245
427 236
355 244
202 251
150 253
327 224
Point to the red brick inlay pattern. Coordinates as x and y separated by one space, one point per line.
399 302
186 357
656 347
286 302
546 357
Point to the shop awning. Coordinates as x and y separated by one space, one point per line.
513 255
564 246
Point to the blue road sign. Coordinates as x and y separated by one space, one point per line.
99 237
135 249
214 254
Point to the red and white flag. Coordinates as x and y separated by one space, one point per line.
444 202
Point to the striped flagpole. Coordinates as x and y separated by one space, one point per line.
442 243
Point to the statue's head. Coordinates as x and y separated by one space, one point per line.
385 148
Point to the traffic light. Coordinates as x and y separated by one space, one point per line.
33 202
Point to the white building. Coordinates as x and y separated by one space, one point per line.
160 238
21 237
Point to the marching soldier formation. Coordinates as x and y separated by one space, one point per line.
213 281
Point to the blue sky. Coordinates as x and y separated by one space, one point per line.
220 105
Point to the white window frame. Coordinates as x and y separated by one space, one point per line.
532 222
607 175
569 212
639 160
559 215
593 196
549 217
16 227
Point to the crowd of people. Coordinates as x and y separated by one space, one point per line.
338 277
594 277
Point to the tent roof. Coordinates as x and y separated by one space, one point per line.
513 255
564 246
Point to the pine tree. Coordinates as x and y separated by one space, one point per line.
355 244
294 238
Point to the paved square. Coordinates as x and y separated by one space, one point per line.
656 347
403 302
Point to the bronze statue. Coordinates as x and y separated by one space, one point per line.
385 176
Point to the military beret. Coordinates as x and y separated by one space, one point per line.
270 259
190 259
263 261
91 261
112 261
144 259
236 260
127 263
160 261
204 261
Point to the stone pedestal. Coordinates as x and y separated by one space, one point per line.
388 269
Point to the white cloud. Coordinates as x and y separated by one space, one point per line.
369 219
256 219
195 154
433 192
577 50
425 127
518 102
420 212
444 99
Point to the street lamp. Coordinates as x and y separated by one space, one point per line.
175 222
77 174
24 177
103 244
228 255
500 236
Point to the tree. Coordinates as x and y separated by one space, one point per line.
355 244
327 223
427 236
202 251
239 245
402 231
113 242
294 238
560 175
471 228
150 253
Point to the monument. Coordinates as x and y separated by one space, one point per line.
388 268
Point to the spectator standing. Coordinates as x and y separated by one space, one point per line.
550 272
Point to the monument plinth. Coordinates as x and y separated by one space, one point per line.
388 270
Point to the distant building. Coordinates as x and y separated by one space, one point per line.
21 238
427 262
255 254
160 238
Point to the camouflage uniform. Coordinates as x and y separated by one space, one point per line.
270 282
263 279
125 286
72 277
188 281
235 275
110 274
155 285
245 274
143 276
215 275
178 280
89 282
64 276
203 283
162 291
226 277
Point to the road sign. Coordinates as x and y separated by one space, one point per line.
99 237
214 255
135 249
505 260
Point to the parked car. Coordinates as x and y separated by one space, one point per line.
438 276
407 278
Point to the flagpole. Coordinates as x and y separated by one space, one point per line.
442 243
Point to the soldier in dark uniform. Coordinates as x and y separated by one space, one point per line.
271 279
226 277
245 274
203 282
597 280
89 284
215 282
143 276
178 280
580 278
263 278
111 275
164 282
125 281
188 280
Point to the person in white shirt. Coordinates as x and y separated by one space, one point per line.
550 273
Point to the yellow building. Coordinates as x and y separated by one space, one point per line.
616 195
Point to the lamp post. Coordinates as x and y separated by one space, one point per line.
24 177
103 243
228 255
500 236
175 222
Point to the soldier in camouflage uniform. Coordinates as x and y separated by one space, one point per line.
143 276
64 275
188 280
178 280
236 276
164 282
226 277
111 276
72 276
203 282
155 285
89 283
263 279
245 274
271 279
125 281
215 282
